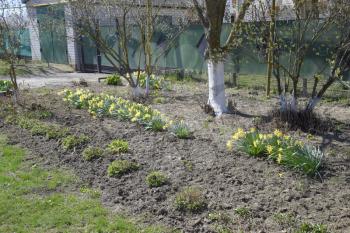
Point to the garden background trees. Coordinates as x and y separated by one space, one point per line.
133 22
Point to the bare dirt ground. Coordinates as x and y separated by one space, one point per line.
276 199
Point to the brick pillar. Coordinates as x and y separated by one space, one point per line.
34 34
73 47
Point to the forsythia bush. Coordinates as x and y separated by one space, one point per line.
280 148
110 106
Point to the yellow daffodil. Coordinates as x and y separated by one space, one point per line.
229 145
269 149
278 133
279 158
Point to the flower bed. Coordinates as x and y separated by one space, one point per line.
109 106
278 147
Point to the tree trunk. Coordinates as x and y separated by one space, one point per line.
312 104
217 98
147 85
234 80
305 92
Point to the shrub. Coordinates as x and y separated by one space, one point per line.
190 199
114 80
280 148
91 153
74 141
5 85
181 130
121 167
156 179
118 146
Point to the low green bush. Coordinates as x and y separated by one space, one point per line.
156 124
280 148
121 167
5 85
190 199
73 141
39 128
92 153
181 130
118 146
156 179
114 80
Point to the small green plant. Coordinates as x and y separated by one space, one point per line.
92 153
156 179
121 167
156 124
5 85
41 114
114 80
188 165
190 199
181 130
118 146
36 127
312 228
159 100
219 217
243 212
284 219
73 141
50 131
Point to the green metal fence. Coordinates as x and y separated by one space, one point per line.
24 50
52 34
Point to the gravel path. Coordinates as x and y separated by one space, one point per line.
55 79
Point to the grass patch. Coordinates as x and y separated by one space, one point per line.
156 179
190 199
30 201
119 168
92 153
73 141
118 146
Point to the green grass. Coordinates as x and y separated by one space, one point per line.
36 200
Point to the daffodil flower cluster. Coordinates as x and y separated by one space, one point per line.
278 147
109 106
155 82
79 99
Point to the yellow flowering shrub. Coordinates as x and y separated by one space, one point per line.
278 147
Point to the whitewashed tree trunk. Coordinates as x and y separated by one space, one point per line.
283 103
217 98
147 85
312 104
137 92
293 104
